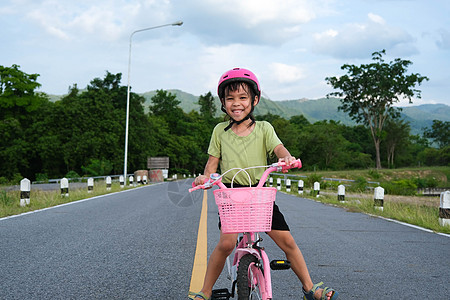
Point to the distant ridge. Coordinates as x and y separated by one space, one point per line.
314 110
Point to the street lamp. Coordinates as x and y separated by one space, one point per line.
179 23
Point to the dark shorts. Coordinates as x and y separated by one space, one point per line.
278 221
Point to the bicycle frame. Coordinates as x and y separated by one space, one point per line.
249 244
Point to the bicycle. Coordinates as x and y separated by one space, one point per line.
248 211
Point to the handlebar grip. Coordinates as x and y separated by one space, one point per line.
295 164
195 188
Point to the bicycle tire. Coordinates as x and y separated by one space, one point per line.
250 279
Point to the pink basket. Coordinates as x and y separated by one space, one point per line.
245 209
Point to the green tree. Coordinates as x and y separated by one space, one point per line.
368 92
18 95
166 106
397 134
19 100
439 133
208 108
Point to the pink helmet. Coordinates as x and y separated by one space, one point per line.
238 74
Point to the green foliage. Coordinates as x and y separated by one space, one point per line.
400 187
360 184
313 178
369 92
373 173
84 132
72 174
427 182
439 133
42 177
97 167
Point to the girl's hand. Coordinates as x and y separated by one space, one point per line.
200 180
288 160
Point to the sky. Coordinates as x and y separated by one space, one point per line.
291 45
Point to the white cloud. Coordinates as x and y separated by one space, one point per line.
356 40
444 41
376 19
284 73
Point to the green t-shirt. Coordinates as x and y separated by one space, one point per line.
243 151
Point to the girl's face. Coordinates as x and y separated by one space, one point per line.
238 102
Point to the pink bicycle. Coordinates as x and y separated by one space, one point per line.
248 211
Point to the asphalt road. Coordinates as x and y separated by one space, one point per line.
140 244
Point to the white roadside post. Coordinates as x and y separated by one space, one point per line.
138 179
279 184
271 181
341 193
131 179
378 198
64 187
444 209
122 181
317 188
288 185
90 184
300 186
144 179
25 188
108 183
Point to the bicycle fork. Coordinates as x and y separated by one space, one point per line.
249 244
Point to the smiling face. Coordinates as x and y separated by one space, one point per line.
237 102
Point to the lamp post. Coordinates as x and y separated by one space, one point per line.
179 23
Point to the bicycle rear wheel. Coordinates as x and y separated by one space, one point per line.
250 279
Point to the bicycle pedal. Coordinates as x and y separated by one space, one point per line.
280 264
220 294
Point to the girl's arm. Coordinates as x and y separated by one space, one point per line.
283 154
210 168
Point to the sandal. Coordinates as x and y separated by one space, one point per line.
198 295
310 295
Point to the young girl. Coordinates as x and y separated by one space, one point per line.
243 142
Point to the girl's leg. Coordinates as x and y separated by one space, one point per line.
216 262
286 242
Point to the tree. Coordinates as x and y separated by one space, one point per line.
18 96
207 107
18 102
166 106
369 92
397 134
439 133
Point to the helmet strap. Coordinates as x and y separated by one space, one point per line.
232 121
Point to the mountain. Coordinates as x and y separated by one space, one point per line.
419 117
314 110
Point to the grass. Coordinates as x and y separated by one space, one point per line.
425 216
441 174
10 201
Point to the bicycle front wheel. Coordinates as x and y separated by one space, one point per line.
250 279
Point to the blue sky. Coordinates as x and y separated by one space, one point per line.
292 45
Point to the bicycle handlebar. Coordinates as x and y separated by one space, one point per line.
216 179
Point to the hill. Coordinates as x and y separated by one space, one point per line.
314 110
419 117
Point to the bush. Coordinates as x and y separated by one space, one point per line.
41 177
72 174
428 182
360 184
313 178
400 187
373 173
16 178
